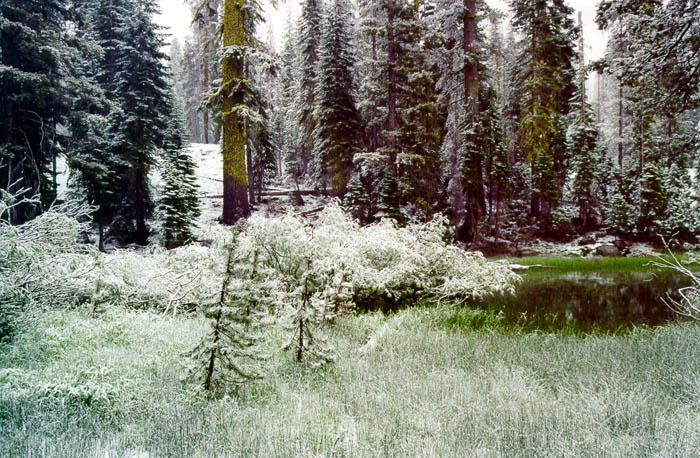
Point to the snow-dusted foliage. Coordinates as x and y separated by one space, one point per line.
38 259
314 272
378 259
228 353
42 264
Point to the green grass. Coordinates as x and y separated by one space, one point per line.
420 382
595 264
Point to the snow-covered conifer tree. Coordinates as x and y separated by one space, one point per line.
309 36
178 202
337 123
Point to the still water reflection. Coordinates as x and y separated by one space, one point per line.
587 301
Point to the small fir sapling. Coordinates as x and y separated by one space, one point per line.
179 202
228 354
681 212
357 200
389 198
310 312
652 199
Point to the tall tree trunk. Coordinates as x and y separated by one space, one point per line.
619 127
101 232
251 174
641 147
233 142
205 86
476 201
373 134
139 177
392 118
249 153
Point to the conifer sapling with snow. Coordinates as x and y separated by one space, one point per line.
178 202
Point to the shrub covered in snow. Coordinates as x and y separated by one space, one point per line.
376 260
315 271
43 264
38 258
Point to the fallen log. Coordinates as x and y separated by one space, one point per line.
311 211
208 178
305 192
520 267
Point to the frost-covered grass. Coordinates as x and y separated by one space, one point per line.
415 383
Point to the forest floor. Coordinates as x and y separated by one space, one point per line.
438 381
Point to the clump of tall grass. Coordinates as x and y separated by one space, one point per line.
78 384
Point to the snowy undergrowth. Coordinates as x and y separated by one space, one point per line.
333 261
376 260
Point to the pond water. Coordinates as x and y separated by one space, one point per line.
552 299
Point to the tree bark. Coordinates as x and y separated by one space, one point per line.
205 87
475 198
233 142
138 184
619 128
392 118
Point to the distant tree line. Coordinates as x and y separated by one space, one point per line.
403 109
410 108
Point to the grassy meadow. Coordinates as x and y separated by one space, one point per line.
592 264
439 381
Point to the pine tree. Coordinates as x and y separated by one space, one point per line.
369 161
285 112
400 112
142 89
418 130
358 199
36 64
205 21
681 219
652 199
178 202
228 354
491 143
335 135
547 86
95 169
309 36
582 144
389 198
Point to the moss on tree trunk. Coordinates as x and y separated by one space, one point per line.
233 141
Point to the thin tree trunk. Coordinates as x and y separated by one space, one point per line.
233 143
217 326
619 128
212 356
669 132
205 86
476 201
251 175
249 153
641 146
139 177
392 118
101 239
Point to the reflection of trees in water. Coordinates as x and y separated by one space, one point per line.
586 301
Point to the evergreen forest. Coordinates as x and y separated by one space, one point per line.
349 228
401 110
